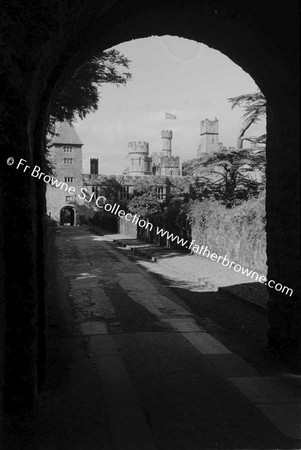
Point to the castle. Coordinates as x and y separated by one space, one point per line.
71 197
139 162
209 143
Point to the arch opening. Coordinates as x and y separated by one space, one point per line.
247 35
212 28
67 216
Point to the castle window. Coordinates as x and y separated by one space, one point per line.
68 160
125 193
69 179
68 198
95 189
68 149
49 214
160 192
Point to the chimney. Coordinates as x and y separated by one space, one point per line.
94 166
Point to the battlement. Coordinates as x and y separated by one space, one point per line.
138 147
93 166
209 126
166 134
140 163
170 162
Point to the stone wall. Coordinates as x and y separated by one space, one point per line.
127 228
238 233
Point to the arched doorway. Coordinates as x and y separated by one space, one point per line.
67 216
259 37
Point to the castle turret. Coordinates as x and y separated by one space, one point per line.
138 160
93 166
166 136
209 137
170 166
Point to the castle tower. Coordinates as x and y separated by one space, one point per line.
138 159
209 137
93 166
166 136
170 166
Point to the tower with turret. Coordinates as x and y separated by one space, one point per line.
163 163
94 166
166 136
209 137
138 159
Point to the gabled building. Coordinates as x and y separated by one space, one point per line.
65 156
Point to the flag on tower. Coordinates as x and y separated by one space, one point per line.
170 116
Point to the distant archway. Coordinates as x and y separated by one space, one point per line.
67 216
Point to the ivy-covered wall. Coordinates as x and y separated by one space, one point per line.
238 233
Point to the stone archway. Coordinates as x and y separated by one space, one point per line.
67 216
249 34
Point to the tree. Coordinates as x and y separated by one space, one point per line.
80 96
145 199
145 204
229 176
255 109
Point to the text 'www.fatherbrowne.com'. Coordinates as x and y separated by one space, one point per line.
203 250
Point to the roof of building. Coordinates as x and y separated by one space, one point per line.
66 134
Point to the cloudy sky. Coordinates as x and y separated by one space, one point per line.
173 75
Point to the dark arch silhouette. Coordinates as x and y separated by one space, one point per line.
259 36
67 216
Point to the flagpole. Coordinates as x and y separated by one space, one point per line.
168 116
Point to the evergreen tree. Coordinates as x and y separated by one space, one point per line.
255 109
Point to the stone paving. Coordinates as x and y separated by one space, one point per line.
198 271
165 382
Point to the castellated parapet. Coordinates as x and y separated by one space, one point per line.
138 147
209 137
167 134
209 126
166 165
140 163
138 160
170 166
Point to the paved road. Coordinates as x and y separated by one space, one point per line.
132 367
